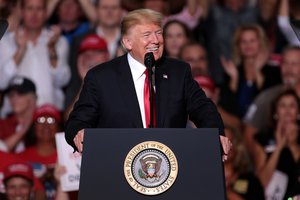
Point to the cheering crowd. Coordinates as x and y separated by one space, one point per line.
244 54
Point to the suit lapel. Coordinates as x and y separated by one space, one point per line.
128 92
162 94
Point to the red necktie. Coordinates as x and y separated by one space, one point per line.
147 101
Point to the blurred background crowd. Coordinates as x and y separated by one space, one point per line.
243 53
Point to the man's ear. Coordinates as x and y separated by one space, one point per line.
126 42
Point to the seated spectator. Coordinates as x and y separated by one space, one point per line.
248 72
195 54
21 94
42 153
92 51
19 182
6 159
241 182
36 52
176 34
277 149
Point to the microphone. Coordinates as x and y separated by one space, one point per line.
3 27
149 60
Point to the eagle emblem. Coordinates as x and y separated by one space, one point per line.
150 167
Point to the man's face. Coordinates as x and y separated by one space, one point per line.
144 38
21 102
290 67
34 14
109 12
90 58
69 11
196 57
18 188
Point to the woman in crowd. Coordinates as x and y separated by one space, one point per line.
176 35
248 72
277 150
42 153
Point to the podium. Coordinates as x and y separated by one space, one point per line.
106 153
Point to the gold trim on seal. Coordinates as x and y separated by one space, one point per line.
150 168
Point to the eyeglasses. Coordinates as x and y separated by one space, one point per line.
45 120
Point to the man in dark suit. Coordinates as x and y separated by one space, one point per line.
112 94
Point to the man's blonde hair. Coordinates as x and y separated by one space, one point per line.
139 17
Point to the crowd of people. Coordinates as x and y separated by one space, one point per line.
244 54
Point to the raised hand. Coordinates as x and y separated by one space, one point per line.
55 34
229 67
232 72
280 134
291 130
21 38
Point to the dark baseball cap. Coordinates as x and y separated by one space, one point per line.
21 85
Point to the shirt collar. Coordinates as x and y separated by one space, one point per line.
137 69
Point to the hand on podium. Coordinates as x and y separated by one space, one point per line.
226 145
78 140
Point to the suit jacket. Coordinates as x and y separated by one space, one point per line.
108 99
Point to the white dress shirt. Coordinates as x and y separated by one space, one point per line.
137 70
36 66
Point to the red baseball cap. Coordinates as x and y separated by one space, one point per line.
92 42
18 169
205 82
47 110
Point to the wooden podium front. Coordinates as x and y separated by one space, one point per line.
198 155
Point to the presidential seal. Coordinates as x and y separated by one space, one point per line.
150 168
